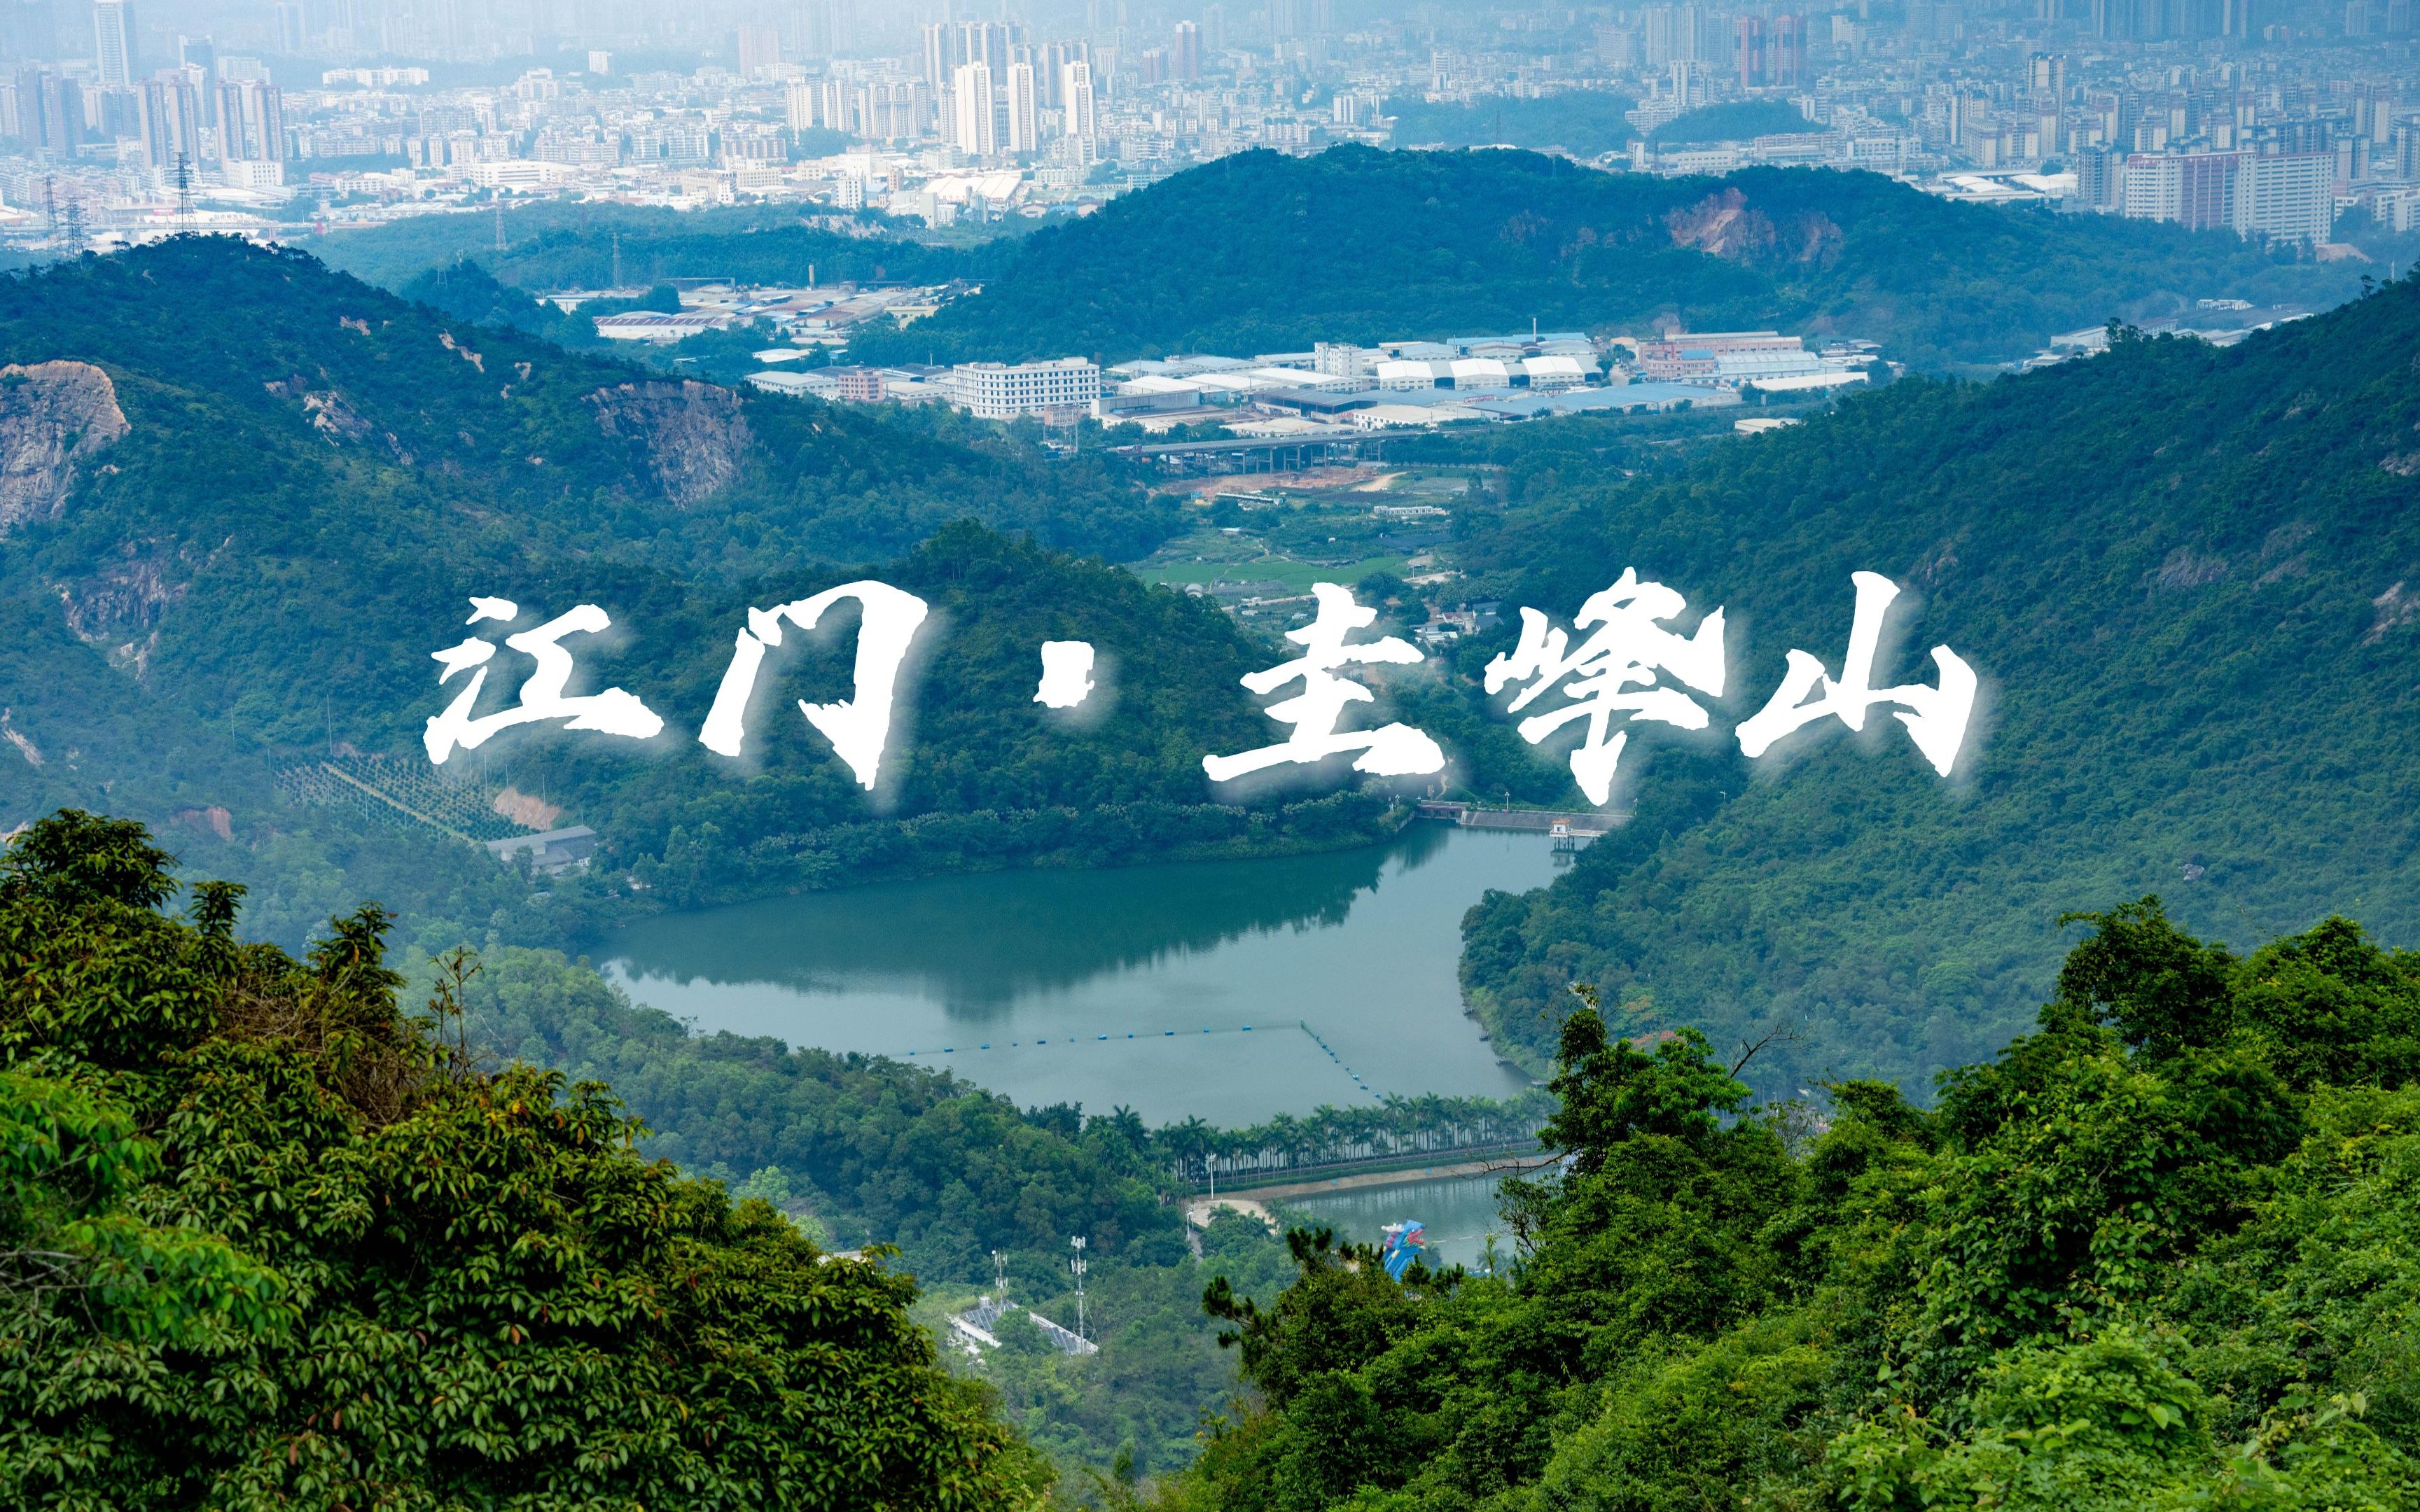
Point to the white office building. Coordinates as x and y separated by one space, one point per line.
974 124
2291 196
1002 390
1076 100
1024 110
2288 197
112 42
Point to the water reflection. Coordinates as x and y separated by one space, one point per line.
979 942
1097 987
1459 1213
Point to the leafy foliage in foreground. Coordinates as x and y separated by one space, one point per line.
2162 1252
265 1243
1356 244
861 1149
2186 576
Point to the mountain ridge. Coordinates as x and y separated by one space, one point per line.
257 571
2183 572
1361 245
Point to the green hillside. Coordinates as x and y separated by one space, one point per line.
1582 121
2160 1254
395 396
314 477
1736 122
572 244
2154 1254
1264 253
2185 575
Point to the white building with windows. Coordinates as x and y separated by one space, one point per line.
1075 101
112 42
1024 111
1002 390
2289 195
975 119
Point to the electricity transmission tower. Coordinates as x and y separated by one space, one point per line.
1076 1265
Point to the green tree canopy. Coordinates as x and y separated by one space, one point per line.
2114 1268
265 1243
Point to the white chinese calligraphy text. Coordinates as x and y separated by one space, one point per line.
612 711
1391 751
1066 674
1935 717
858 727
1628 647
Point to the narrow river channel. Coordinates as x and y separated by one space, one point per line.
1226 990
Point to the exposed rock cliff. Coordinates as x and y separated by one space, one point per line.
690 436
1725 226
53 416
118 608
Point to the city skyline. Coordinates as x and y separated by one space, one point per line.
2263 120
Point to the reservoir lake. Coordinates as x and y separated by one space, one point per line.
1225 989
1458 1213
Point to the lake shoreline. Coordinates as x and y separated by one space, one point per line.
1232 990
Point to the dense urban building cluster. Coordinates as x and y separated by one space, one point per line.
1335 390
2270 117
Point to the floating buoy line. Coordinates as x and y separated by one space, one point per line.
1038 1040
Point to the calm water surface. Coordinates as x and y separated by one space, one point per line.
1457 1212
1131 987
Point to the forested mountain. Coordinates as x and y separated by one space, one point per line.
1264 253
2186 576
1734 121
2160 1254
1582 121
267 492
280 351
573 244
2155 1254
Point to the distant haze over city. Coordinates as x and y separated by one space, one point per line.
2257 116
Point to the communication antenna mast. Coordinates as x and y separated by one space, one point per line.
999 1275
1076 1265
